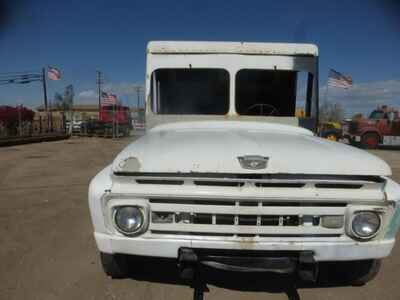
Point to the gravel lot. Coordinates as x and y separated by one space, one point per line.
48 252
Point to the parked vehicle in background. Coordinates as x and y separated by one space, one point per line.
382 127
330 130
76 126
228 177
114 120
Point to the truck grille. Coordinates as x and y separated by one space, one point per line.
261 206
241 218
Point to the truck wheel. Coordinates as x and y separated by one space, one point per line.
114 265
370 140
344 273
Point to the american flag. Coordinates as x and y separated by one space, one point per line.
108 99
53 73
337 79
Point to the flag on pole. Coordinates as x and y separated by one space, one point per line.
53 73
108 99
337 79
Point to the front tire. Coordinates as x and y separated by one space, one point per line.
114 265
370 140
355 273
364 271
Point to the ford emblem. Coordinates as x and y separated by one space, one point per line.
253 162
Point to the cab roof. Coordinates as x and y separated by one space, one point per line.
178 47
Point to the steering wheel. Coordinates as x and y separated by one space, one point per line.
263 109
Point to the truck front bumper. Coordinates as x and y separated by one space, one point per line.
323 251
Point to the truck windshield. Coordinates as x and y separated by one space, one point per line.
272 92
190 91
377 114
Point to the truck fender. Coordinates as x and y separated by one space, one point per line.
371 130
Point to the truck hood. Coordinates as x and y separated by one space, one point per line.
215 147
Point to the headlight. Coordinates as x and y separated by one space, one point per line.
365 224
128 219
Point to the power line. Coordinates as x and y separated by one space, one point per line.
21 79
25 78
19 72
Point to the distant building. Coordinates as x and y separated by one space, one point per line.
82 112
79 111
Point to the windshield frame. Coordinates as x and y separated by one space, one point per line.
233 63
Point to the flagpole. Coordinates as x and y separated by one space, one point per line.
44 88
116 120
326 92
113 123
98 73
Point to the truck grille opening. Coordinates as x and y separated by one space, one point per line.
159 181
280 185
225 219
218 183
338 186
202 219
247 220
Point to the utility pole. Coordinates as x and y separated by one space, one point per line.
44 88
138 88
45 97
19 120
99 82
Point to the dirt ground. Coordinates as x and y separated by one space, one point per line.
47 250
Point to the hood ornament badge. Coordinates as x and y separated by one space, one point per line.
253 162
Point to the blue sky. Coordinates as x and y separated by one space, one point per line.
359 37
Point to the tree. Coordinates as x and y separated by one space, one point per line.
331 112
69 97
357 116
59 101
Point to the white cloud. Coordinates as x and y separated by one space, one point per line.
122 88
87 95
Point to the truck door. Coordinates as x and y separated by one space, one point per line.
383 125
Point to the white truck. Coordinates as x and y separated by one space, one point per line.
228 177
